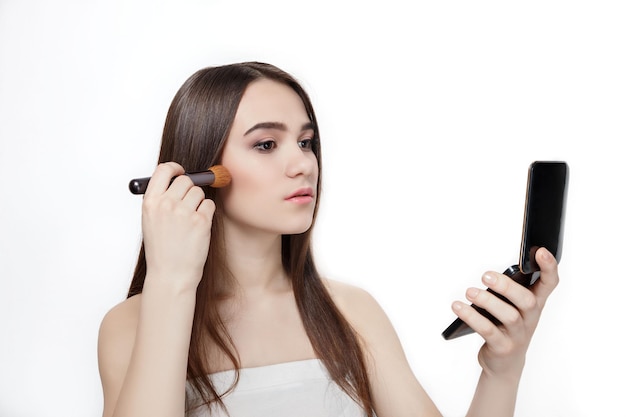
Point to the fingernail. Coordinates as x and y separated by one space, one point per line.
472 293
489 279
457 306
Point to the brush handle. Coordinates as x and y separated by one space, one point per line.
139 185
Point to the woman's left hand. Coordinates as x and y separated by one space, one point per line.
504 351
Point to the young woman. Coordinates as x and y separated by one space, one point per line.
226 313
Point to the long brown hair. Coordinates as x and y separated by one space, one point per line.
196 128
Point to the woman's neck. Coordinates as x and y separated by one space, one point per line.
255 260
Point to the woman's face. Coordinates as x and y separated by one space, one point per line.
268 154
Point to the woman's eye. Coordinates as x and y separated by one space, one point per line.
306 144
265 146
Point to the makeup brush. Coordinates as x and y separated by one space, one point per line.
217 176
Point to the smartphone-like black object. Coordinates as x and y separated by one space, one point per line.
543 225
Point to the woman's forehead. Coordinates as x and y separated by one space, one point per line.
270 101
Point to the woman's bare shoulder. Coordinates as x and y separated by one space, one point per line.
367 318
386 360
342 292
116 337
123 315
357 305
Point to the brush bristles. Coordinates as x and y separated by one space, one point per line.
222 176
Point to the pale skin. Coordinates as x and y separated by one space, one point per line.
144 340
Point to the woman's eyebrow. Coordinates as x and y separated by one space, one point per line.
277 126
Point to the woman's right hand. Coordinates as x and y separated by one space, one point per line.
176 224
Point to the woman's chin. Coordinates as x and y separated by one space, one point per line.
297 229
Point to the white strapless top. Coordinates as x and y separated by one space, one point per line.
291 389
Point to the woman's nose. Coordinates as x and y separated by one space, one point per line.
300 161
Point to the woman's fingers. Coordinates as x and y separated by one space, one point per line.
529 302
168 180
176 224
506 345
507 314
522 298
207 209
193 197
161 178
549 278
521 316
479 323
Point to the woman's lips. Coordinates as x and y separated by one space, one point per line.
301 196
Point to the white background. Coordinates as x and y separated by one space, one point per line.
430 114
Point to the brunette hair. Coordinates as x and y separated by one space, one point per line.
196 128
